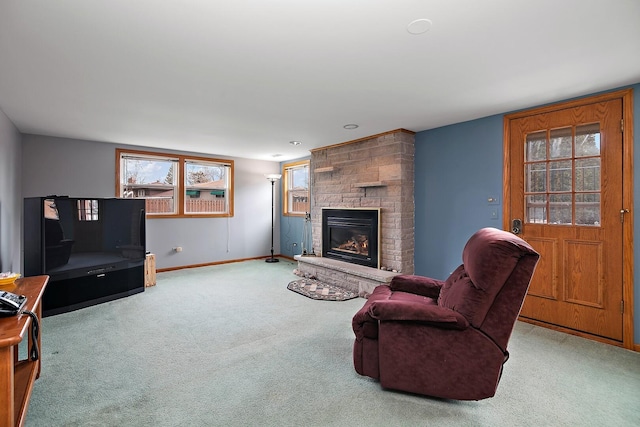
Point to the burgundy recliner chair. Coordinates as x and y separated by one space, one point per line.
447 339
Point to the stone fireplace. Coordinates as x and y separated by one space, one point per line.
375 172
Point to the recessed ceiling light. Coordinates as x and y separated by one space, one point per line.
419 26
295 142
350 126
276 155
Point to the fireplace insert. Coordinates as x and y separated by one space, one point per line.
351 235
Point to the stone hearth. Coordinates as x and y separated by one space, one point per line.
355 278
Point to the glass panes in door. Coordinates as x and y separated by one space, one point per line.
562 176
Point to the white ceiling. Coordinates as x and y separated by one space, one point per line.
244 77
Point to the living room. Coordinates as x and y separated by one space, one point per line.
458 165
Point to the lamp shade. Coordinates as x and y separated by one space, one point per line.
273 176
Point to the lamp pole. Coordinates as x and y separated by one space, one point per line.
273 177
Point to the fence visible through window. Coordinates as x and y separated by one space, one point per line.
176 185
166 205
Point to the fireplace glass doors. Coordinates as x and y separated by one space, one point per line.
351 235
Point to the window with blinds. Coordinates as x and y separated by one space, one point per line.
150 177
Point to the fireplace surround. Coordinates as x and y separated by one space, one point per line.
351 235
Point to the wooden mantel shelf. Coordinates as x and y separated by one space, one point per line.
325 169
370 184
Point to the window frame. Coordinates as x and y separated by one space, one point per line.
88 210
180 188
286 209
556 185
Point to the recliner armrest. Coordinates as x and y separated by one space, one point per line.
435 315
419 285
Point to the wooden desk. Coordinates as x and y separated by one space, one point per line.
17 376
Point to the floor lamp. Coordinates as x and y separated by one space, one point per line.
273 177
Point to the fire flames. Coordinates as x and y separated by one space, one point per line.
356 244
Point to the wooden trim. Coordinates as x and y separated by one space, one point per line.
570 104
627 183
116 190
296 163
506 173
204 215
285 182
313 150
208 264
627 231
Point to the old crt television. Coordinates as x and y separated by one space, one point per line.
67 237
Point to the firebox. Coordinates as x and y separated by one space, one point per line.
351 235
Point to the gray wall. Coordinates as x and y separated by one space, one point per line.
10 196
87 169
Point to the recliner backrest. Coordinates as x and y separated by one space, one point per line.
501 317
489 260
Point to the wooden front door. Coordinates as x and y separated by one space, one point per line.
565 188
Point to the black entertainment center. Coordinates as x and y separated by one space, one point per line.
93 249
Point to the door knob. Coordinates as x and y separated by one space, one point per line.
516 226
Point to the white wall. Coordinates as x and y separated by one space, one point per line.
10 196
87 169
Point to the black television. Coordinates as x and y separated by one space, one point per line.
67 237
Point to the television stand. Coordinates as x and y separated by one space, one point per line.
92 287
18 376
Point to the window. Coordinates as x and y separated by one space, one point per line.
296 188
87 210
174 185
206 185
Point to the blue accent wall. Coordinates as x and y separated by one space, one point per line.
458 167
291 231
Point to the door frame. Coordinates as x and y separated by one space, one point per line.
627 199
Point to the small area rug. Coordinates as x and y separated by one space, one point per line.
320 291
